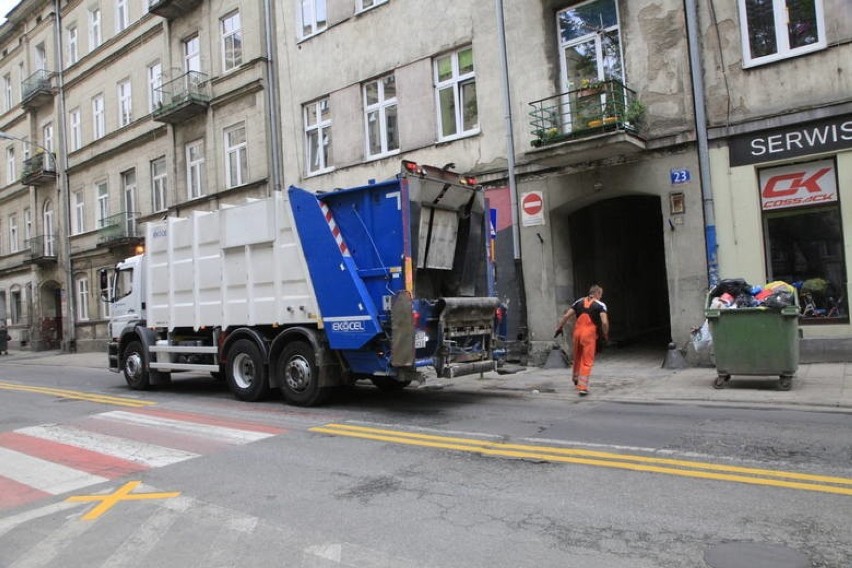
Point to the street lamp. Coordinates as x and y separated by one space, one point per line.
70 330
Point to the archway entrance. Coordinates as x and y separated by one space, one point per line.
49 320
618 243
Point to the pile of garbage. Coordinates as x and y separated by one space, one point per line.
737 293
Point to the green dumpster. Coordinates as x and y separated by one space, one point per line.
755 341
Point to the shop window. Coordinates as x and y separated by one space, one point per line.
804 237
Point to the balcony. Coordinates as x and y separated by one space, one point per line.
183 98
599 121
37 90
42 250
119 229
39 169
171 9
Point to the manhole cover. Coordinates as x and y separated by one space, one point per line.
754 555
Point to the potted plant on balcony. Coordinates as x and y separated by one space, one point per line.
634 114
590 87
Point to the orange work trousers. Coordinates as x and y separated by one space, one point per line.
585 339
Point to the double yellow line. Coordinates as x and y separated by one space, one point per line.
77 395
683 468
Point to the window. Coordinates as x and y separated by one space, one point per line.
155 82
455 90
125 104
16 306
232 42
40 57
14 244
79 213
47 136
195 169
102 192
777 29
312 16
76 130
82 298
98 124
7 92
122 18
49 229
159 184
381 116
73 51
804 243
317 117
11 174
191 54
28 226
95 37
131 204
236 160
367 4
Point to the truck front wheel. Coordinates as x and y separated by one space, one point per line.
300 377
246 373
135 372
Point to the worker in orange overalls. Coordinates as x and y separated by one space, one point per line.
592 325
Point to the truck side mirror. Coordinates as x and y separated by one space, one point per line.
103 275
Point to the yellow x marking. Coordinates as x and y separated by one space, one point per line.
78 395
110 500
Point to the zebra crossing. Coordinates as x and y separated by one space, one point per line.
37 462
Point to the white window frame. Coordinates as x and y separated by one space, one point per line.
13 233
102 196
48 218
313 17
11 174
47 136
192 54
98 117
8 97
363 5
317 123
79 213
28 225
236 155
122 15
76 126
131 200
195 174
456 82
40 57
155 82
125 103
232 41
73 45
784 51
82 298
95 32
380 107
159 184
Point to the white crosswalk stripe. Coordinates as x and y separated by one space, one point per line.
219 433
43 475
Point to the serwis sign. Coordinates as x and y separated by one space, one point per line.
826 135
813 183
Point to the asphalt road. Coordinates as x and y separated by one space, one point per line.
93 474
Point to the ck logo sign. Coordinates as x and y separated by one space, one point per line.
794 186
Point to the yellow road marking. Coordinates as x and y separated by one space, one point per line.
684 468
78 395
110 500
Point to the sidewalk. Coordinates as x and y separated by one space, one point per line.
617 377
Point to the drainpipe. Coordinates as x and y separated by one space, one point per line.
272 100
697 73
63 191
510 159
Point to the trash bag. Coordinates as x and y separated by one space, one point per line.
732 286
779 299
702 339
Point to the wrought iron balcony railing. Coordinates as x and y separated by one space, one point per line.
171 9
596 108
38 88
119 228
42 248
39 169
180 98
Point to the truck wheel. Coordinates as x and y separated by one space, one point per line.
246 373
721 381
298 369
785 383
134 367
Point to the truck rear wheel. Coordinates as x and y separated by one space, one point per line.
246 372
135 372
300 376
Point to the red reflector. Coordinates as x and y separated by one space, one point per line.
416 317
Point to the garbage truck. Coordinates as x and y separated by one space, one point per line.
305 291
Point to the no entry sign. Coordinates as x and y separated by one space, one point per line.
532 209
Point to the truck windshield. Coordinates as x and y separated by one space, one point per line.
123 283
